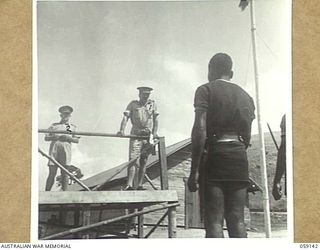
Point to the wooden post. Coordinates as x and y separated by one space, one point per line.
172 222
163 164
64 181
76 221
186 205
140 225
86 220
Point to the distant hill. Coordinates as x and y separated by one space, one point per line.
255 171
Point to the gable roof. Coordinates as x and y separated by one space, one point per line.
153 161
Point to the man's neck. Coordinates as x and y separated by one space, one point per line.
226 78
142 102
223 77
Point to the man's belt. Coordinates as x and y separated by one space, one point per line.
143 132
232 137
226 140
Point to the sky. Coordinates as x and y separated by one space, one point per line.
93 55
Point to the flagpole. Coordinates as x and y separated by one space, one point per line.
264 176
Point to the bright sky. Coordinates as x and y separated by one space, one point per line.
93 56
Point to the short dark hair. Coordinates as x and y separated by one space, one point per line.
220 64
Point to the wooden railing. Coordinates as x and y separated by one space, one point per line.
159 141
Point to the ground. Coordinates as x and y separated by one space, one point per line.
278 228
199 233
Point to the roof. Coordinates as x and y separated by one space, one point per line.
111 173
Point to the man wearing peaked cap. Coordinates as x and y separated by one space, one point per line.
144 118
60 146
66 109
146 90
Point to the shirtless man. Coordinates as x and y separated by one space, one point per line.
223 116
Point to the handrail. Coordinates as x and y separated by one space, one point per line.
50 131
160 141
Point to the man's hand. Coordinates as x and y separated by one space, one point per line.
277 191
193 184
65 138
120 133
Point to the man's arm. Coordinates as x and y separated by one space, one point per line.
280 170
281 163
69 138
73 139
123 125
281 166
155 125
198 138
247 116
51 137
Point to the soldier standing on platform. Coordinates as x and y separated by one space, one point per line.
223 116
144 118
60 147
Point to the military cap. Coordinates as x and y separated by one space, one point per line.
66 109
145 89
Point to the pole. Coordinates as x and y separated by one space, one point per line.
64 169
49 131
264 176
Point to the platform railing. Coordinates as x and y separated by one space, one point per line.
158 141
170 206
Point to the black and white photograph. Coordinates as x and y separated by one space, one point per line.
163 119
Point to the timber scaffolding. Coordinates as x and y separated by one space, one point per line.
88 204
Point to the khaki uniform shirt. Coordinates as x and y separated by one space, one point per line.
61 150
141 116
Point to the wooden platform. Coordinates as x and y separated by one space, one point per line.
107 197
89 201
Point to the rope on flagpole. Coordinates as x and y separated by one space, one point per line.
267 46
264 176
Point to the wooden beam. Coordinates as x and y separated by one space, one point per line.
107 197
163 164
64 169
140 225
156 225
172 222
186 205
64 132
150 182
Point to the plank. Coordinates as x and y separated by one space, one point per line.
107 197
